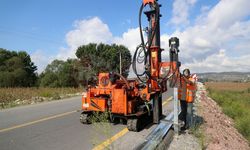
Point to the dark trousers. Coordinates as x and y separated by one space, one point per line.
183 114
186 114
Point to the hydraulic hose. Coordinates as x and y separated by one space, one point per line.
123 78
144 48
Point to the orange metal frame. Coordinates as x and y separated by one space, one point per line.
97 100
145 2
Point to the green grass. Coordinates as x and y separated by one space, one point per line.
235 104
198 132
11 97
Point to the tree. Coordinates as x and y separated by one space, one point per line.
16 69
60 74
92 59
95 58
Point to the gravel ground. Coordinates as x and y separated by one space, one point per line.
216 131
185 141
218 128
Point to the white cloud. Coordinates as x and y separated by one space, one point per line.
220 62
221 27
131 39
41 60
93 30
181 11
226 12
86 31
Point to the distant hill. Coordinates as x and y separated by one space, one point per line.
224 76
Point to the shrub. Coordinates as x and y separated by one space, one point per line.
242 124
248 90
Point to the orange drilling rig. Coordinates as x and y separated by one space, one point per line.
137 101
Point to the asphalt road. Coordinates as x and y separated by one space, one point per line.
53 125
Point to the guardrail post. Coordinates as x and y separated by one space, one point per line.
176 111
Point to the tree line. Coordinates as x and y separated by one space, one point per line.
18 70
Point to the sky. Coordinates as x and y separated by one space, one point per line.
214 35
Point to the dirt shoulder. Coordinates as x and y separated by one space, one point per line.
218 128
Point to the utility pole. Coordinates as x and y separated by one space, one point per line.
120 62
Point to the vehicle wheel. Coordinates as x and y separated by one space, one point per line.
85 118
123 121
134 124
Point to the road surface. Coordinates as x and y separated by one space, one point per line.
55 125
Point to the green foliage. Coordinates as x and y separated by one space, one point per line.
98 117
60 74
235 104
95 58
242 124
16 69
92 59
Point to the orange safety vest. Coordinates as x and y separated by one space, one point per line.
189 93
182 90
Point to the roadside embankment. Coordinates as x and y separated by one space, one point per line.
234 99
213 130
218 128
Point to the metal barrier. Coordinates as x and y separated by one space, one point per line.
158 134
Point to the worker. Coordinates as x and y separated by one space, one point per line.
186 95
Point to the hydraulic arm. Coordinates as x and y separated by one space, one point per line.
151 52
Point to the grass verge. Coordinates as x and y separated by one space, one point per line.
11 97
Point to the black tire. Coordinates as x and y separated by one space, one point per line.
134 124
115 121
129 124
85 118
123 121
